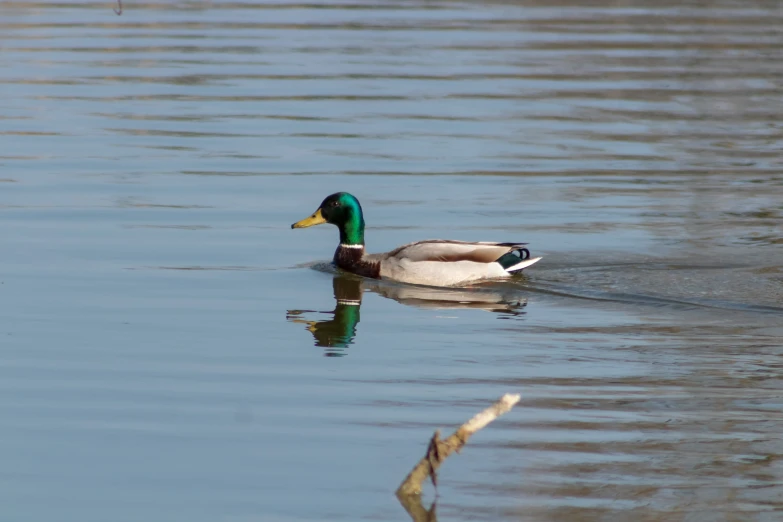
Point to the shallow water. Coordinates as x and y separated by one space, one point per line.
172 350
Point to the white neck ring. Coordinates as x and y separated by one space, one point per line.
349 302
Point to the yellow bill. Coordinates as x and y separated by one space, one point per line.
315 219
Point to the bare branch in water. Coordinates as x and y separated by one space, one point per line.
118 12
417 511
438 449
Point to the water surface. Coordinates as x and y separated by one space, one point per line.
172 350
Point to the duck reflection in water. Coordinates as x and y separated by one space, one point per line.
339 331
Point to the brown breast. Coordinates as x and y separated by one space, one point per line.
352 260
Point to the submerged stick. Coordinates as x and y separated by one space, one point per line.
439 450
415 509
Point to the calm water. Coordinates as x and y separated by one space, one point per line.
171 350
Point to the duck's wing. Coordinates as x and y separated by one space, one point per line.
442 250
439 262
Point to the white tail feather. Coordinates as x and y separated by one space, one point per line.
523 264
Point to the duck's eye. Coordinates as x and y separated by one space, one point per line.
333 204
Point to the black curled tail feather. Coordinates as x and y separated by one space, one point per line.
514 257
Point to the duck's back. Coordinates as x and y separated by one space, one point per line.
443 262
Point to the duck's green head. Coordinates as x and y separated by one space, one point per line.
344 211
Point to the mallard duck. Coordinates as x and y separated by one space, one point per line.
434 262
